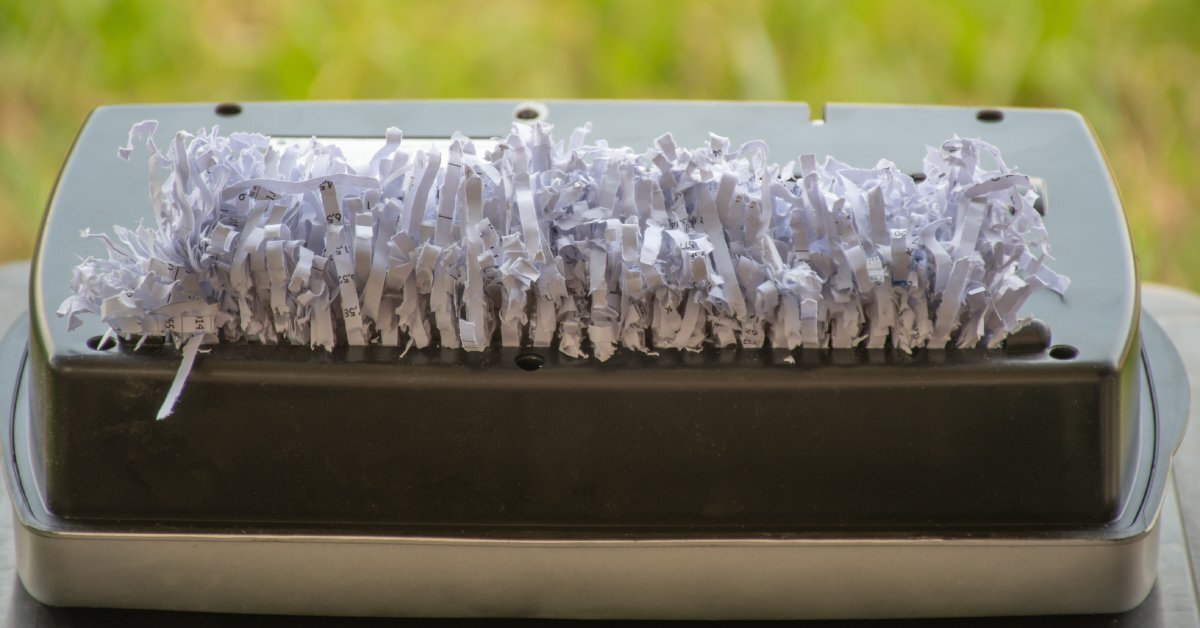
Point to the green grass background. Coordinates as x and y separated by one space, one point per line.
1132 67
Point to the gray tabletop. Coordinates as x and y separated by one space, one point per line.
1172 603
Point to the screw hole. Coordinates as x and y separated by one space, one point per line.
228 109
530 361
1063 352
918 177
989 115
530 111
101 343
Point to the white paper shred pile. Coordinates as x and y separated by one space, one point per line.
592 247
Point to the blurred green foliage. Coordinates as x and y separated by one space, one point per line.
1130 66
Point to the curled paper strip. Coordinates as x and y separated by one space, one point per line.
586 247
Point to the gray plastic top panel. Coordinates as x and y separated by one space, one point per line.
1088 230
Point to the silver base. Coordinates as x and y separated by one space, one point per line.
768 579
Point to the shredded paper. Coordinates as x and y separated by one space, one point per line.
581 246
